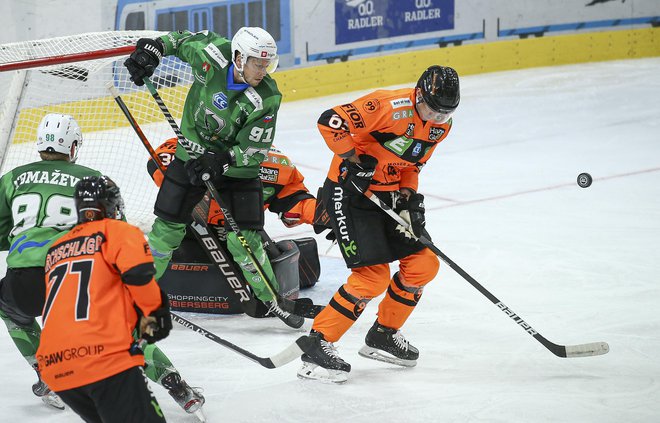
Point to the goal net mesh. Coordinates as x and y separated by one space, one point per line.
70 75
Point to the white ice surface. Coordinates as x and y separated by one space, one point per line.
579 265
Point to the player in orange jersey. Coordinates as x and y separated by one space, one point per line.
380 141
284 189
99 288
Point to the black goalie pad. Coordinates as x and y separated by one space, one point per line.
309 267
194 284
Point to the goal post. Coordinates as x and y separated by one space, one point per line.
70 75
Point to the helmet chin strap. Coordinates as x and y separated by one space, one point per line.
240 71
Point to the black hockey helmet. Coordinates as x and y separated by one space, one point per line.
98 197
439 88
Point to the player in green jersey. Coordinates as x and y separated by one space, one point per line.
229 115
36 209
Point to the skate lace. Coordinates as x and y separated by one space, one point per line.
275 309
330 349
401 341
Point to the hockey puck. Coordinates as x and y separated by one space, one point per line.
584 180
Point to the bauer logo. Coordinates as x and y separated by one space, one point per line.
401 102
220 100
516 318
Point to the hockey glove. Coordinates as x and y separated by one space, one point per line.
290 219
207 167
145 58
355 178
158 324
412 211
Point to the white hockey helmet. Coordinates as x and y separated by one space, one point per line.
254 42
60 134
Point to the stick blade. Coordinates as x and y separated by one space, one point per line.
289 354
587 350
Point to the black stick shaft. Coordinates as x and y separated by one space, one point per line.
287 355
582 350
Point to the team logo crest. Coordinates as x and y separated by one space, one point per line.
418 294
359 307
371 106
206 66
220 100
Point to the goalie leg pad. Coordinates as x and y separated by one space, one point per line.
309 267
286 269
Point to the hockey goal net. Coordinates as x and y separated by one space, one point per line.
70 75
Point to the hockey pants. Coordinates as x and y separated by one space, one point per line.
404 290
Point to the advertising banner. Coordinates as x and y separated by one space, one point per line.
361 20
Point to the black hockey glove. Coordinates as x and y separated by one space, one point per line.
207 167
356 177
157 325
412 211
145 58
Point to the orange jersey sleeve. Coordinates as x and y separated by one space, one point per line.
95 275
283 183
383 124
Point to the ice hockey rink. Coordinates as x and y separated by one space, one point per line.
578 264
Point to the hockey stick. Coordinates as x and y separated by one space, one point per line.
570 351
290 353
301 308
206 238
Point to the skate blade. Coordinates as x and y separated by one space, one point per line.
52 400
200 415
193 406
315 372
380 355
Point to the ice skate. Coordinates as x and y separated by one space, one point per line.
190 399
49 397
390 346
289 319
323 363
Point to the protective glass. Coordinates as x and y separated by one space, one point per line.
430 115
263 65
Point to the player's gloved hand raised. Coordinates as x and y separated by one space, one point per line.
158 324
207 167
145 58
356 177
411 209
